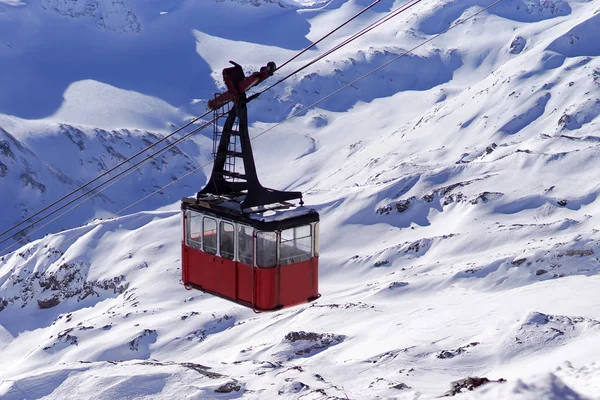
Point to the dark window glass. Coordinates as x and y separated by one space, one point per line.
194 221
245 244
209 238
266 249
227 240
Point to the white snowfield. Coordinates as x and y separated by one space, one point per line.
458 191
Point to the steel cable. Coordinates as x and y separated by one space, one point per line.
329 34
352 38
324 98
112 181
459 22
99 177
345 42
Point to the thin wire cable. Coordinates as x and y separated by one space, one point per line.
74 236
101 176
345 42
328 96
378 68
162 188
114 180
329 34
178 130
293 115
166 137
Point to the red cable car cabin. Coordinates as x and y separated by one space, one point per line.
242 241
265 260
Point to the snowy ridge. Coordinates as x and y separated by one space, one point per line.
112 16
456 189
38 176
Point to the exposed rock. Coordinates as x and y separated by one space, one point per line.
580 253
345 306
400 386
258 3
65 283
444 354
490 148
75 135
203 370
540 272
517 45
381 263
229 387
309 342
110 16
402 205
49 303
63 340
468 384
134 344
3 303
563 203
5 150
295 336
395 285
484 197
27 178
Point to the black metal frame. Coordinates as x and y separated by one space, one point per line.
231 183
213 207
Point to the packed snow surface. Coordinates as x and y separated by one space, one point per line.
457 187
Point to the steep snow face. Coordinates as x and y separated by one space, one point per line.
458 201
38 168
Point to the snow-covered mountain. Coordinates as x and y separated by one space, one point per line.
457 189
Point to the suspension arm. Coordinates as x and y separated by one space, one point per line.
238 84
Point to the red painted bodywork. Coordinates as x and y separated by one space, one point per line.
263 289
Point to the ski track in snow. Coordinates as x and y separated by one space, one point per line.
456 188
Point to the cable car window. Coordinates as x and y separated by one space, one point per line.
245 244
227 240
316 239
296 245
195 230
209 237
266 249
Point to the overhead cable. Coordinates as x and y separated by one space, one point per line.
100 176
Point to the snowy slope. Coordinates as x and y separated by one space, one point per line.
458 196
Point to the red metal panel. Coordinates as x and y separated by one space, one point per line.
210 266
227 281
203 269
299 282
275 287
244 282
314 262
266 285
184 264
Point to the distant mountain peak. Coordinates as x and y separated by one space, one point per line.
112 16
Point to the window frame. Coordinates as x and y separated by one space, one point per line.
216 221
239 226
221 223
256 237
189 241
293 243
315 239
